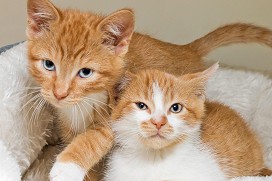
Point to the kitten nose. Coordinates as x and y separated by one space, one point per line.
159 123
60 93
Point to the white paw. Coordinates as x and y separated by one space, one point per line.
67 172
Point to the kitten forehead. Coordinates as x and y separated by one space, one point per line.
158 99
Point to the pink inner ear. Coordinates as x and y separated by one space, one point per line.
121 47
40 15
118 29
38 23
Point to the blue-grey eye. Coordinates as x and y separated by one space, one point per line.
176 108
49 65
141 105
85 73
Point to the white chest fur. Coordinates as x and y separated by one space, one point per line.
186 162
81 115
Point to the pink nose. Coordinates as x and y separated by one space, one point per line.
60 94
160 123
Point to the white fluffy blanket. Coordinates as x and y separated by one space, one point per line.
22 140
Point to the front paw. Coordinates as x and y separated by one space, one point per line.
67 171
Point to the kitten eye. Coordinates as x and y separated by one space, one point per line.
141 105
49 65
85 73
176 108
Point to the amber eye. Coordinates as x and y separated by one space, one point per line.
49 65
85 73
141 105
176 108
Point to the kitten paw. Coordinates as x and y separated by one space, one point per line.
67 172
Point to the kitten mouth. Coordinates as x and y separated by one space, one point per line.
60 103
157 135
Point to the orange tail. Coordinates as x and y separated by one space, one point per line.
229 34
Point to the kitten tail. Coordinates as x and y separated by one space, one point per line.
229 34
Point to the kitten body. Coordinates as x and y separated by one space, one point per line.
190 160
202 140
65 45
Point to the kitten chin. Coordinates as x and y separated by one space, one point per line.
159 143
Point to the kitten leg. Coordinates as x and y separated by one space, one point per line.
85 151
265 172
40 168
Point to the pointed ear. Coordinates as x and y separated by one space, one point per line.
117 31
122 84
208 73
40 14
198 81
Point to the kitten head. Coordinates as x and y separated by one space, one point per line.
74 54
158 109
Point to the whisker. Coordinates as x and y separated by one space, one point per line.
34 113
24 95
70 130
29 101
105 122
37 99
77 122
83 118
96 104
95 100
89 114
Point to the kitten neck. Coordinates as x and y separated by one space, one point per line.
78 117
142 152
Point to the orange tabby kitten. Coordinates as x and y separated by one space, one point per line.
165 130
76 58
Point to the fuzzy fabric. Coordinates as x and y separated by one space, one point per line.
250 94
9 168
21 139
252 179
23 151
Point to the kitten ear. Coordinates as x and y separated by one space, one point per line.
199 80
117 31
207 74
122 84
40 14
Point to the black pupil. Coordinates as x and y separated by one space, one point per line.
86 71
49 63
141 105
175 107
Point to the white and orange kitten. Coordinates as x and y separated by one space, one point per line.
165 130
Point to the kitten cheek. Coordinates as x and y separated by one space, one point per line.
182 128
178 125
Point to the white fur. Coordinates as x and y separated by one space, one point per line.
9 168
22 141
187 161
67 172
80 116
114 29
158 101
